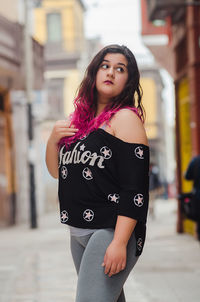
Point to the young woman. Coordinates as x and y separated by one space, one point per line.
103 167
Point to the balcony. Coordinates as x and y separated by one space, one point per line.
58 58
12 56
160 9
10 41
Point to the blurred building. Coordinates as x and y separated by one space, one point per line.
175 26
59 26
152 86
14 173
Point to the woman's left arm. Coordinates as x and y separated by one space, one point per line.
126 126
115 256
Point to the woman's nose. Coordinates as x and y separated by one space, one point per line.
111 72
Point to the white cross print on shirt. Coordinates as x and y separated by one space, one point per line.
138 200
114 197
88 215
64 172
82 147
64 216
106 152
139 152
87 173
139 244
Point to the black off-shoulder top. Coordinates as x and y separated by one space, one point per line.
101 177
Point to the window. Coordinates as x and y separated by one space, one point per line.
159 23
54 28
55 97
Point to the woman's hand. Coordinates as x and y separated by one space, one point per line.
115 258
61 129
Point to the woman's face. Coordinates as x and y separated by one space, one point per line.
111 76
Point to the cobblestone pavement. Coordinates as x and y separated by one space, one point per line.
36 265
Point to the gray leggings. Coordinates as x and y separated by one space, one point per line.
88 253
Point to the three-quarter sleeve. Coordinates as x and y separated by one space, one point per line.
133 176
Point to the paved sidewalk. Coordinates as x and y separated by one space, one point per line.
36 265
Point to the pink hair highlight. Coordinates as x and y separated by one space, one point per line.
83 118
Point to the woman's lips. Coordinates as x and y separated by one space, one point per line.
108 82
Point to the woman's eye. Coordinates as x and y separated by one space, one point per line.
120 69
104 66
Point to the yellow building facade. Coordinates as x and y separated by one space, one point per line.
155 123
59 26
150 104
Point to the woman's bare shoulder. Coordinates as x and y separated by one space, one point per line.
128 127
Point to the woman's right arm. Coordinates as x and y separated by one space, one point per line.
61 129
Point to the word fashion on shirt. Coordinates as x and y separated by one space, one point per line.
75 156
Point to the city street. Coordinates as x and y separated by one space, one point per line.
68 69
36 265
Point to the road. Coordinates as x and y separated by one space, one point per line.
36 265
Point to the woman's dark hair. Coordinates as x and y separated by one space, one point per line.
85 103
131 94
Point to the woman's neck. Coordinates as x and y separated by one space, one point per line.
100 108
101 104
